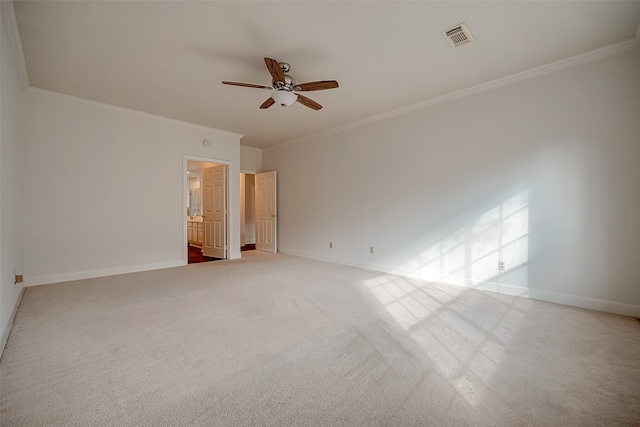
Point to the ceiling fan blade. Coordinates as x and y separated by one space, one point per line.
268 103
274 68
319 85
308 102
248 85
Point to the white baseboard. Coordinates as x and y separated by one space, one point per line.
5 337
564 299
67 277
541 295
341 261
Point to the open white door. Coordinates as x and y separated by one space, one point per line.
266 215
214 212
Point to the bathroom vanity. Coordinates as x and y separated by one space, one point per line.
195 231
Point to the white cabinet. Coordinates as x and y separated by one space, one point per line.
195 232
200 233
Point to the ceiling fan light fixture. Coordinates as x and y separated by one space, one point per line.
284 97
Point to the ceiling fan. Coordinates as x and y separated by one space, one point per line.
284 88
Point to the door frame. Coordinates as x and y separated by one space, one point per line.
185 200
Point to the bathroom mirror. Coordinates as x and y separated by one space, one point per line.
195 195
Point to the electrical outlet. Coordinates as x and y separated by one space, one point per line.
501 265
370 249
19 279
330 245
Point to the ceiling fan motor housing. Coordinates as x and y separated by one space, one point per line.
289 83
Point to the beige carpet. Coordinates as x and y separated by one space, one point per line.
280 340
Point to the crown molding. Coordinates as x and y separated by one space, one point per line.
250 148
494 84
13 37
134 112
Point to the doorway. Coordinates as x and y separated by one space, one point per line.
247 211
207 191
258 211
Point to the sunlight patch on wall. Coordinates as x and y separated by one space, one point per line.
470 254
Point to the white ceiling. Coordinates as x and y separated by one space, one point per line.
169 58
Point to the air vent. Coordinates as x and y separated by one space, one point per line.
458 35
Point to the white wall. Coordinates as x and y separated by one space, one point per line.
105 190
542 174
11 195
250 159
